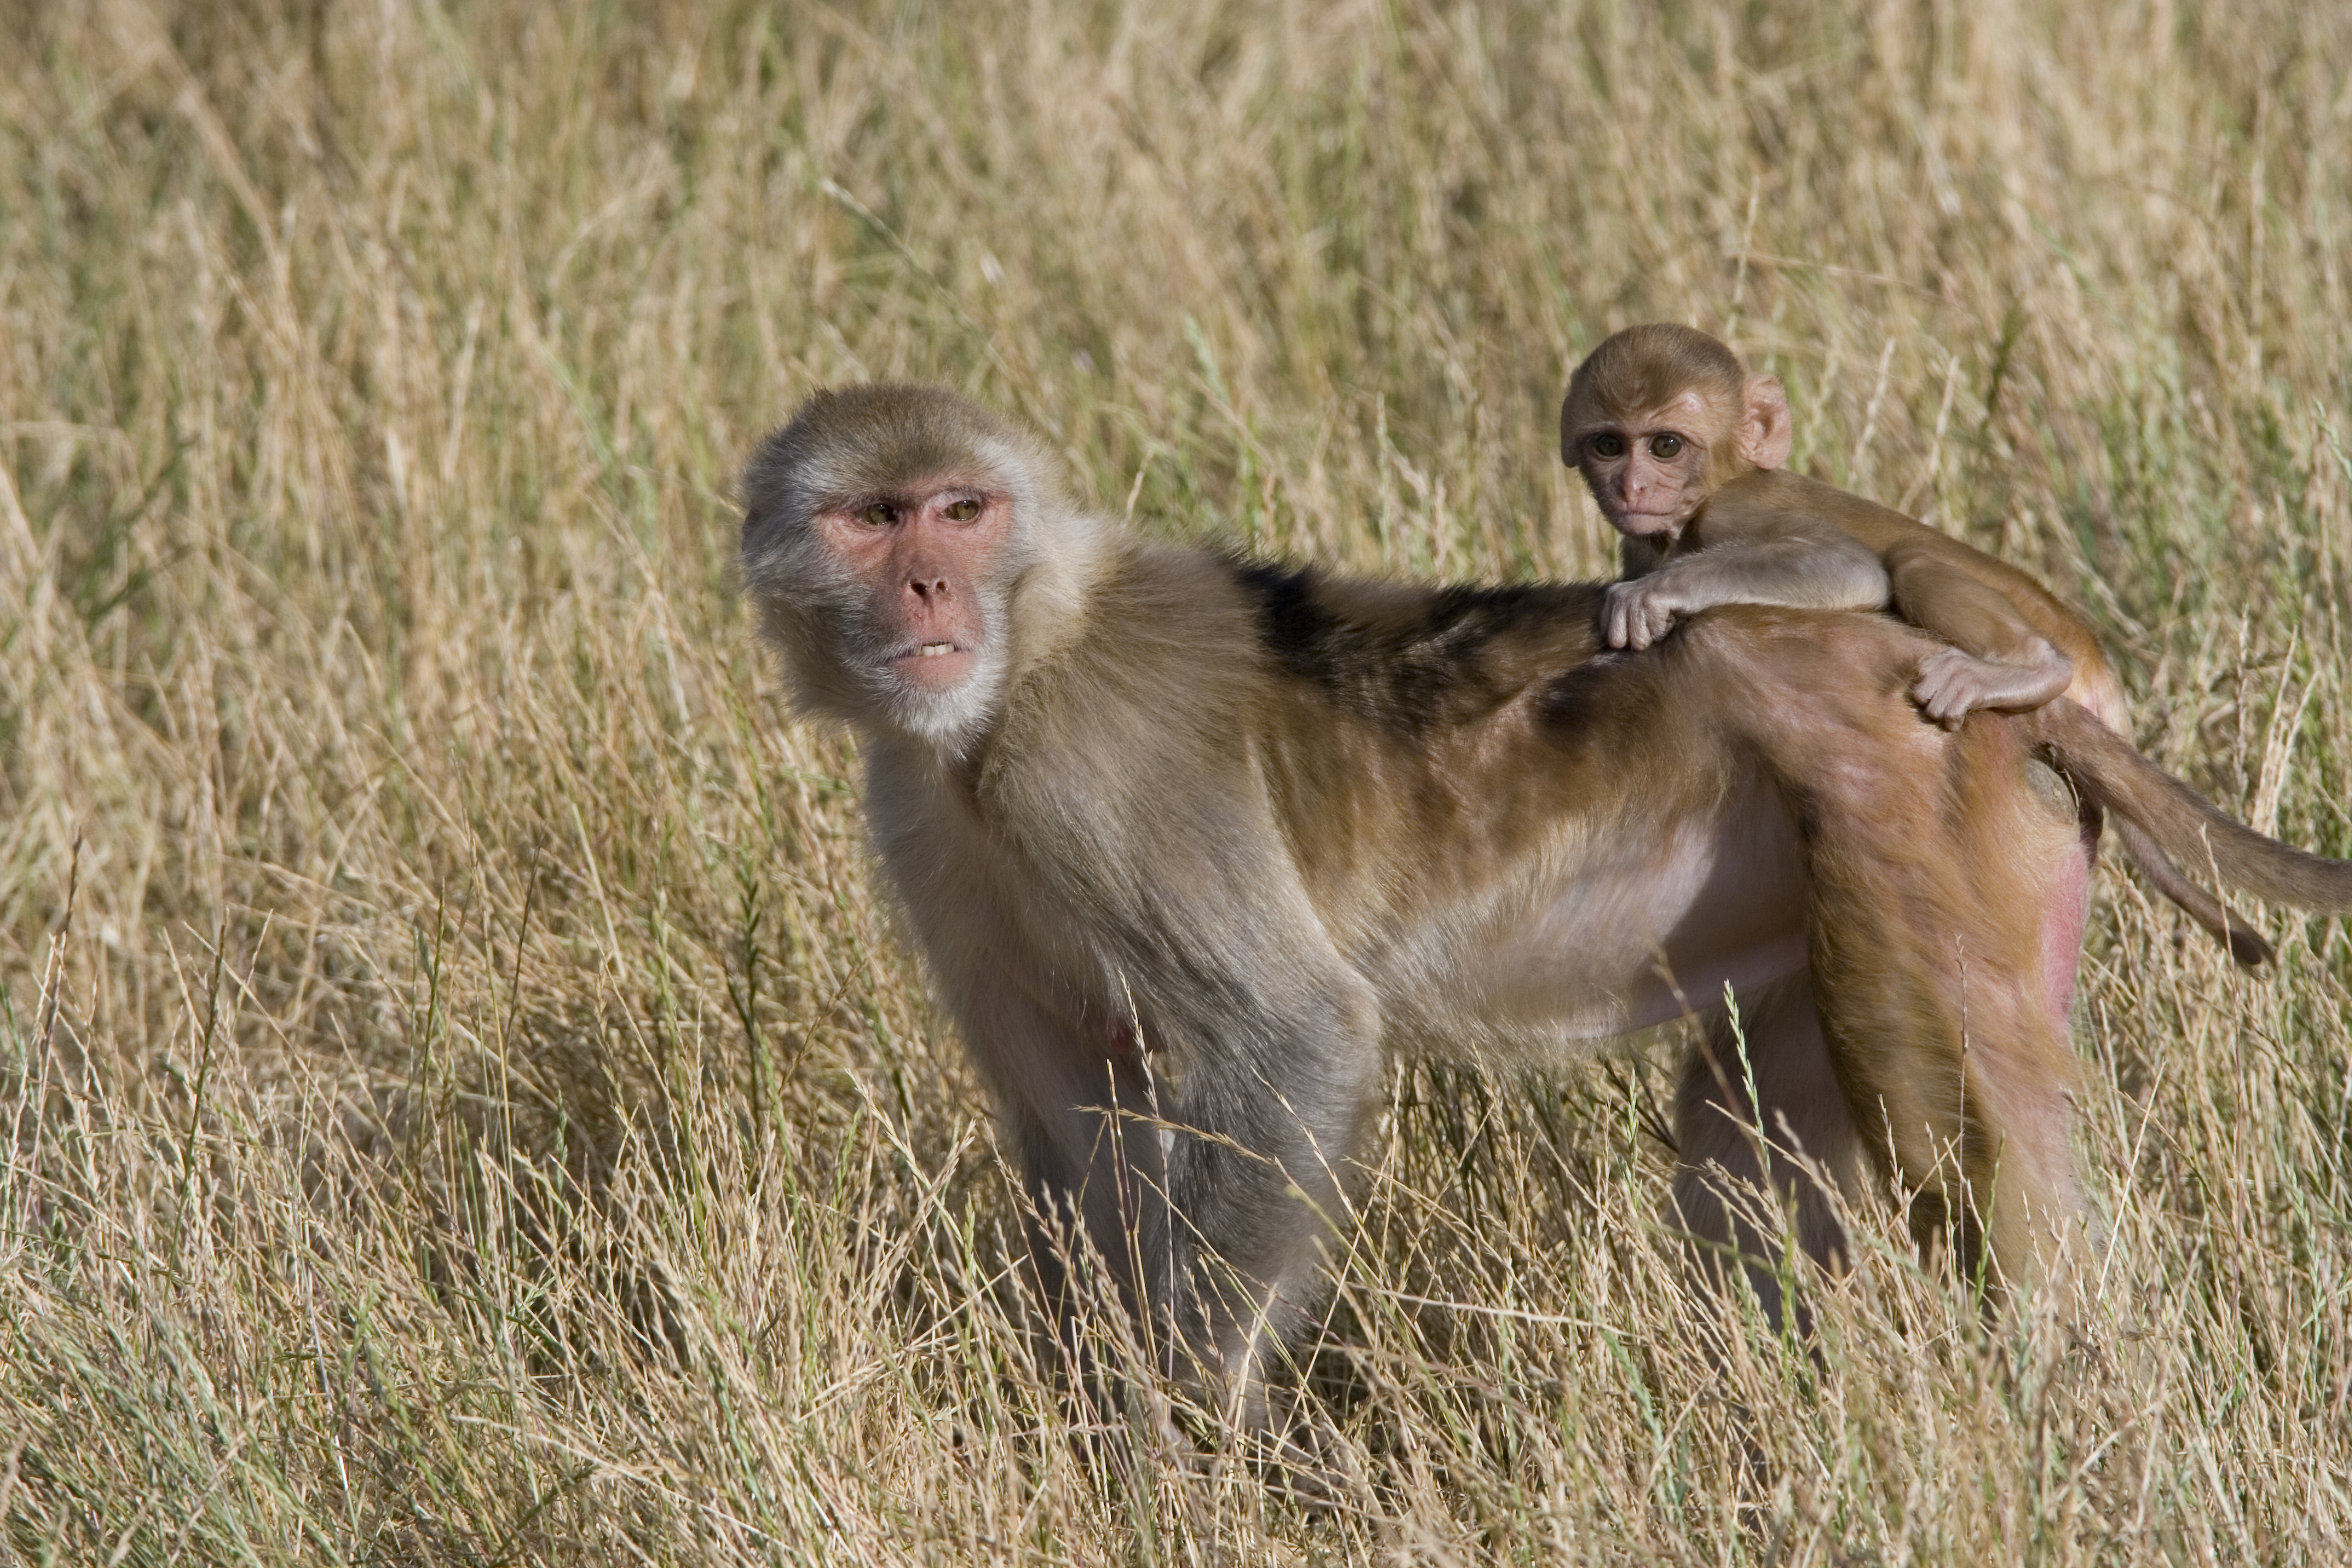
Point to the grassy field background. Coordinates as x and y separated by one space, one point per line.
463 1103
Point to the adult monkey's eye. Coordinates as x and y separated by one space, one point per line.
881 514
963 510
1665 445
1607 446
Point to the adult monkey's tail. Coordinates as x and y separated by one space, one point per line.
2245 944
2187 828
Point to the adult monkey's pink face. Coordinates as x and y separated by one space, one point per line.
922 552
901 545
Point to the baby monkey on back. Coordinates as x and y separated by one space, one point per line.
1683 450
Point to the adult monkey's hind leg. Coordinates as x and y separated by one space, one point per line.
1760 1112
1944 943
1947 895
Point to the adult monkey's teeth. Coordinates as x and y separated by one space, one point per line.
933 649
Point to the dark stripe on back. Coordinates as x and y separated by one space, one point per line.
1431 659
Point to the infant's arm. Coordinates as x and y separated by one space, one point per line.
1773 560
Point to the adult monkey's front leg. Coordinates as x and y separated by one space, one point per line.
1267 1124
1078 1113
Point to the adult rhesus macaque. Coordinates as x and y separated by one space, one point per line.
1149 807
1683 450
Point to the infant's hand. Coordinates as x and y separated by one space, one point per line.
1953 684
1950 683
1636 614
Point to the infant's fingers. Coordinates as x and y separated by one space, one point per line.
1618 617
1939 701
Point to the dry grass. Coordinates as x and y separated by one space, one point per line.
465 1104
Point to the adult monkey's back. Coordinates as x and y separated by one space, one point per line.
1270 825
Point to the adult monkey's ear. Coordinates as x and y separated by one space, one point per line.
1765 434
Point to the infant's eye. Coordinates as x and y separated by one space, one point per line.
1665 445
881 514
1607 446
963 510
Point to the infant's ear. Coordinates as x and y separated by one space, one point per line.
1765 434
